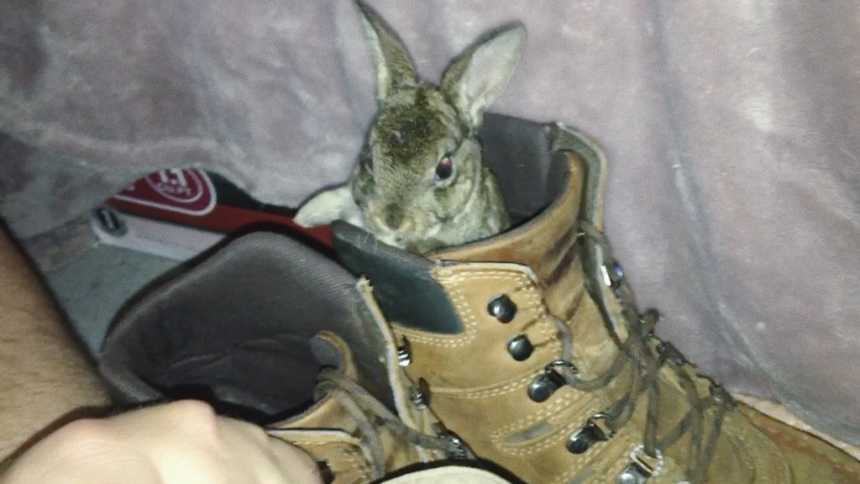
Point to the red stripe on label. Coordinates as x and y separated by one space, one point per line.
224 219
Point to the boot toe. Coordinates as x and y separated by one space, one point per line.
745 455
806 457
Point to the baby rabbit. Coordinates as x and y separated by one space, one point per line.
420 183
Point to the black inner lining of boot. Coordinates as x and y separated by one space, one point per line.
284 373
236 331
518 152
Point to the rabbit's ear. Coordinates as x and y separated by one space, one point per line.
481 73
394 68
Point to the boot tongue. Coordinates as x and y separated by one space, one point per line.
403 283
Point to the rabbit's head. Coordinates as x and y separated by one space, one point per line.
420 181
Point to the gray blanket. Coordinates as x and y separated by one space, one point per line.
732 130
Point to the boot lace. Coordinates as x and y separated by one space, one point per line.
372 416
646 355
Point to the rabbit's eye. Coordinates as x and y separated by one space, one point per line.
444 169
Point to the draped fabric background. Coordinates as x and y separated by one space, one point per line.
731 129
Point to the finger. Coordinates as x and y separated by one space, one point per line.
275 461
295 464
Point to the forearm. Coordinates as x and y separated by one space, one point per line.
80 453
46 379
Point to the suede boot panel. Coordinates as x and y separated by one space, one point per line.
479 390
482 345
809 458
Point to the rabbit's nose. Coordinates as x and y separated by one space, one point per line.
393 217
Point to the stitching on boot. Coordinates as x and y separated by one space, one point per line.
464 309
607 475
489 392
555 439
502 388
588 407
532 418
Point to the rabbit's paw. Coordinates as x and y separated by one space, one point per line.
328 206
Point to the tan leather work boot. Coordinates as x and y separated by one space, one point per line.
258 329
529 345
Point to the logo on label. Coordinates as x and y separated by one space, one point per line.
187 191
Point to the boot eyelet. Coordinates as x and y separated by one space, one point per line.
545 384
502 308
580 441
612 273
592 432
520 348
541 388
404 355
457 448
641 467
562 366
420 394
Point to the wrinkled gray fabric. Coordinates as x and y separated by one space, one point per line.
732 130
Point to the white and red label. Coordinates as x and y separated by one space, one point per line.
186 191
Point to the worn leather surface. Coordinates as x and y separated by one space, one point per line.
730 126
479 391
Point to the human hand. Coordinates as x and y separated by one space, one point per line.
182 442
